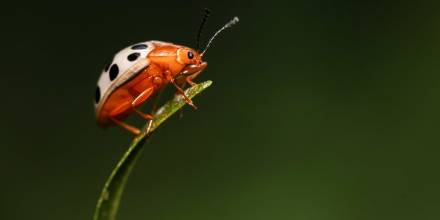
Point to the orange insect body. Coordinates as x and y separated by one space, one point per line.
141 70
166 61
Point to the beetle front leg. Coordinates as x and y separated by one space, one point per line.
180 90
171 78
189 79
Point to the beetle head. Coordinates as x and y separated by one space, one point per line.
188 56
192 60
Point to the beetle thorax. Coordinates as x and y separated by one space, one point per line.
165 57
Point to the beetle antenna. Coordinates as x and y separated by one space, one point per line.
227 25
204 20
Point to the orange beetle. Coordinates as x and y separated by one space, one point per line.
141 70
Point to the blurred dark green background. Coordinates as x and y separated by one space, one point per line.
319 110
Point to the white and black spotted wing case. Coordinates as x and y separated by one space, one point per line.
126 64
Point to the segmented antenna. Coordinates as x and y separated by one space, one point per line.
227 25
199 34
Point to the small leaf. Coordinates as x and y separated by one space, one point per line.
108 202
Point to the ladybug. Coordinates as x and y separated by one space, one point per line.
141 70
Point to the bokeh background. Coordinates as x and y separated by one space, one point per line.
319 110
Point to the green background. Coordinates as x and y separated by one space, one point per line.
319 110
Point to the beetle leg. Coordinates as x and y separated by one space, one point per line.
127 127
121 108
180 90
153 109
187 77
141 98
189 81
143 115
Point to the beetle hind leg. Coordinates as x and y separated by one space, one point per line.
126 126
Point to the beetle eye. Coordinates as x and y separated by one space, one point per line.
190 55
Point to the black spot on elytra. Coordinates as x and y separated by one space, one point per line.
97 94
139 47
114 71
133 56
